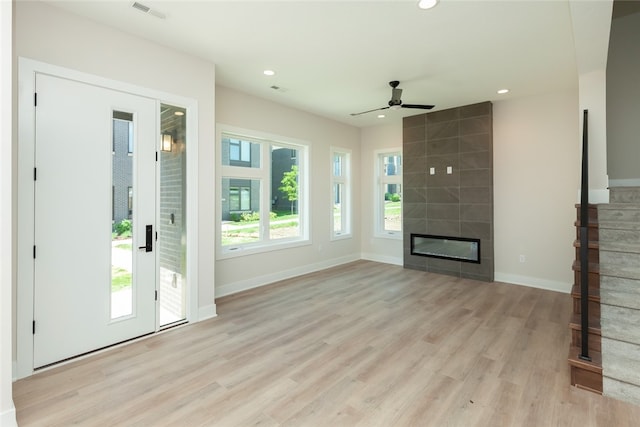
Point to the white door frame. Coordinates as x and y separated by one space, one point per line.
27 69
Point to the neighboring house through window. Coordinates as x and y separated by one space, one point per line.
263 187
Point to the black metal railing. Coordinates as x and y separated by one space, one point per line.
584 242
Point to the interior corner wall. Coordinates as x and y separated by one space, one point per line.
80 44
374 138
623 102
240 110
536 177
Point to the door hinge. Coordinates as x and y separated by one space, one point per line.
156 236
34 251
35 174
35 99
156 156
156 295
33 327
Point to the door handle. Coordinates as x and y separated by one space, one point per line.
148 246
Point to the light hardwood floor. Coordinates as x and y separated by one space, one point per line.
364 344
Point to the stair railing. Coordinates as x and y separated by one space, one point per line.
584 243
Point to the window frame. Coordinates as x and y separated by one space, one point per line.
345 180
381 180
262 173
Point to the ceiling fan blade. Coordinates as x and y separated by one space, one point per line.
422 107
369 111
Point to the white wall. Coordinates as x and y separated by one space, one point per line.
623 102
536 164
7 409
377 138
51 35
591 21
234 108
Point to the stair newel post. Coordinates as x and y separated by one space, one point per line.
584 242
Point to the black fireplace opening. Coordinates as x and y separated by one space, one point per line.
446 247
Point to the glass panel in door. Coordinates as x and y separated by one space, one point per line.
122 215
172 224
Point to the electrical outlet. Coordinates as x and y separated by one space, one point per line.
523 258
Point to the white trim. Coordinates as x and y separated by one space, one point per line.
347 195
379 179
256 282
7 372
207 312
27 69
8 418
382 258
533 282
595 196
635 182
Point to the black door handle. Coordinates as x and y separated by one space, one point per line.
148 246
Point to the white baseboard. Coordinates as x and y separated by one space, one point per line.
207 312
382 258
533 282
624 183
8 417
596 196
255 282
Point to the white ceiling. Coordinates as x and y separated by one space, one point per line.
333 58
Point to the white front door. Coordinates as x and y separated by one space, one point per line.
91 291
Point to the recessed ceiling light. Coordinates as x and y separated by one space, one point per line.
503 91
427 4
269 73
381 116
179 113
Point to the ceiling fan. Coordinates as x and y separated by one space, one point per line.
395 101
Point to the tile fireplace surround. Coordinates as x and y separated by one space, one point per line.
448 185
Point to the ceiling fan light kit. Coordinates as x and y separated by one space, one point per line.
396 102
427 4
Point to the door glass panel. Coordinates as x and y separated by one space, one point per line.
172 224
122 215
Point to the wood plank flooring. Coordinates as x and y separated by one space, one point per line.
364 344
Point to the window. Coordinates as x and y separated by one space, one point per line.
130 200
340 193
240 198
388 197
263 202
239 151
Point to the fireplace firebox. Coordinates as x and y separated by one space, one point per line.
446 247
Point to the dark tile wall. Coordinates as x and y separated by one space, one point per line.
459 204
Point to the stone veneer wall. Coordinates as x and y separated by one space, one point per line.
459 204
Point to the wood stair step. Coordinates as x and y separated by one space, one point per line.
595 332
594 293
594 324
594 300
586 374
593 244
593 267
